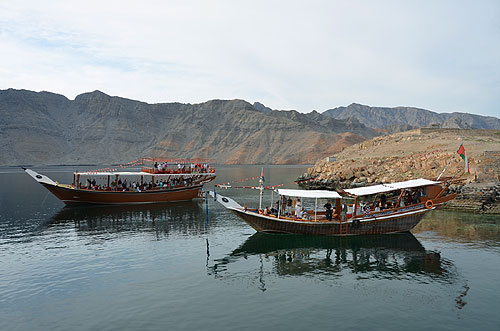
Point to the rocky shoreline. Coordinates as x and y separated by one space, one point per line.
483 198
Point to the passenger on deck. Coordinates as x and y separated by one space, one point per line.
383 199
421 194
274 211
298 208
266 211
305 215
277 204
289 205
328 209
415 198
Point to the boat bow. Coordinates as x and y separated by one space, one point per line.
39 177
225 201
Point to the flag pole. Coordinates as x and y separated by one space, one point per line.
449 162
261 188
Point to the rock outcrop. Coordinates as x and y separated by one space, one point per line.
477 197
375 170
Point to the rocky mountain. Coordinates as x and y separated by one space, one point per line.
47 128
260 107
399 119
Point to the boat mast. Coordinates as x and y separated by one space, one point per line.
315 207
261 182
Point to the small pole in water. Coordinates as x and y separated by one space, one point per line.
206 204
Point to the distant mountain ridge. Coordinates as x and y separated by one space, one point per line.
47 128
404 118
95 128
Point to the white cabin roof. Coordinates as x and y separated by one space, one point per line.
309 193
374 189
367 190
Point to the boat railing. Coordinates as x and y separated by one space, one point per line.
131 189
153 171
338 216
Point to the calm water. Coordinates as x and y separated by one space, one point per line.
163 267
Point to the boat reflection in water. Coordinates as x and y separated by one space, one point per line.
179 218
395 256
474 229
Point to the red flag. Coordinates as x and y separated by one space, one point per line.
463 154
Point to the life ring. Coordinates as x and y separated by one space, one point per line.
429 204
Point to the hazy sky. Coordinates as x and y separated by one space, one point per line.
439 55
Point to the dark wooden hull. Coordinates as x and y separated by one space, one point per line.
390 224
71 195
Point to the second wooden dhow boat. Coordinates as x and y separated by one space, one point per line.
179 187
377 209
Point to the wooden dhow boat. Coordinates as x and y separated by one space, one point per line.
377 209
152 186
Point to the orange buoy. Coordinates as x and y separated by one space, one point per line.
429 204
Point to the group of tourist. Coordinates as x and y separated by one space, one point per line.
134 186
162 168
408 198
293 208
288 208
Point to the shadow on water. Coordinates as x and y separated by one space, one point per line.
330 258
179 218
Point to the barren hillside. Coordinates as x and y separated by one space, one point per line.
413 154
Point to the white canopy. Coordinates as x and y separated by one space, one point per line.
412 183
309 193
367 190
132 173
